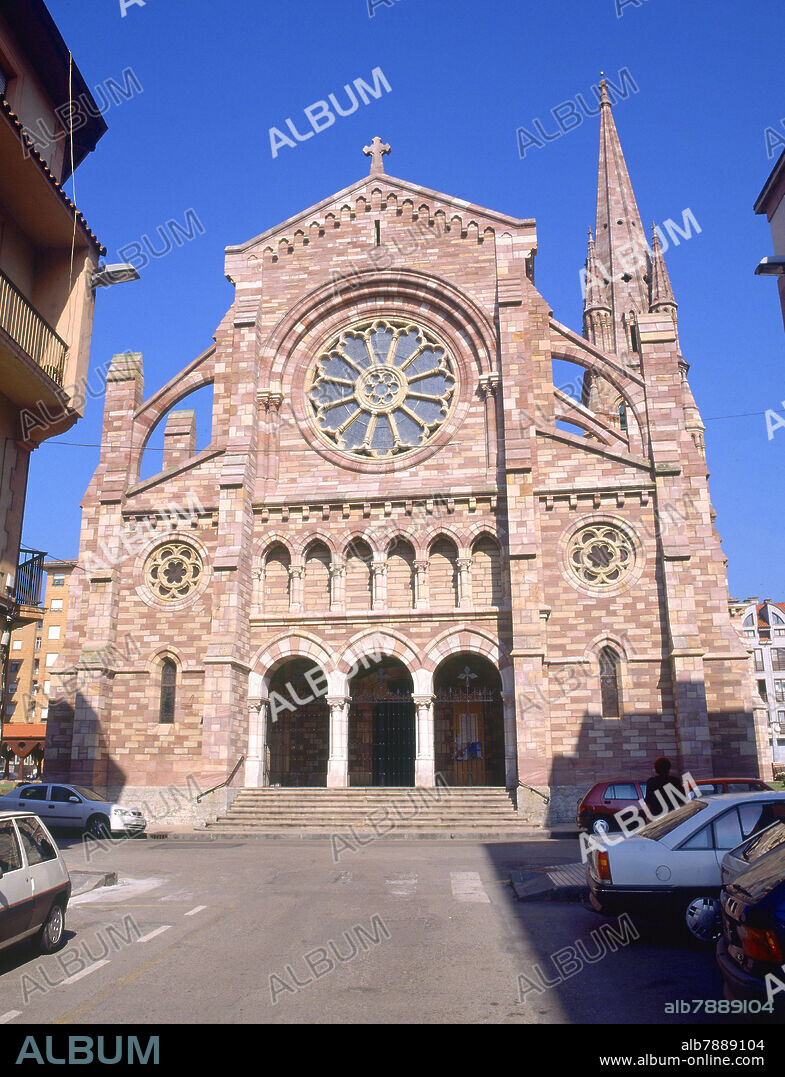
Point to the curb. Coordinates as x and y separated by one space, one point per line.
84 881
556 883
357 835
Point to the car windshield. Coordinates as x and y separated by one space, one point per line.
88 794
660 827
763 876
767 840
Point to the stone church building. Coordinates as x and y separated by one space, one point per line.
412 553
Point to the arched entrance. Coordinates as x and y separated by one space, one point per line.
298 726
381 725
469 721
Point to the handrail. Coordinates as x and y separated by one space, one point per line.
531 789
29 331
207 792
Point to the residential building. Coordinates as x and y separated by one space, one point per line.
762 625
771 202
35 650
48 255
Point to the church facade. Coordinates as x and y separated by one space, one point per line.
408 552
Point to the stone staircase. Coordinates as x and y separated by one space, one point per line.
474 811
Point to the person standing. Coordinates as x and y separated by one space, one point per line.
664 791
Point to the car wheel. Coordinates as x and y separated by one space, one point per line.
702 919
52 932
599 825
98 826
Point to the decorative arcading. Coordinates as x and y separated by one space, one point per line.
424 214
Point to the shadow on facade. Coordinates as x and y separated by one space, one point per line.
77 748
626 748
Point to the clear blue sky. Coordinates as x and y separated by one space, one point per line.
463 77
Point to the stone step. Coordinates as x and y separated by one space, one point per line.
399 809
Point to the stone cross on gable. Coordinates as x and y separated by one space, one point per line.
376 151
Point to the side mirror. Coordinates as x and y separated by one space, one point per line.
74 800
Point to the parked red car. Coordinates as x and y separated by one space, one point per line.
598 808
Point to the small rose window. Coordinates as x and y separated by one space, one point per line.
173 571
600 555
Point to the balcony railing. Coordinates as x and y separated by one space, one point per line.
29 575
25 326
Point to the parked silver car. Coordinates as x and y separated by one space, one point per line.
34 883
73 806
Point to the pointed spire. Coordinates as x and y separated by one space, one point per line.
622 252
661 290
596 296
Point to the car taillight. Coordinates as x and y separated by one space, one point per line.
603 865
760 944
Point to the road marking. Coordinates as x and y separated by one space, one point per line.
195 910
85 972
402 884
6 1017
467 886
152 934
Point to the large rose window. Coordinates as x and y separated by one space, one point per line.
381 388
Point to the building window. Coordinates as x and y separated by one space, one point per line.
759 660
778 658
748 620
57 604
37 644
17 645
3 81
14 667
168 682
623 418
609 683
58 579
54 632
750 632
762 690
779 691
51 659
47 687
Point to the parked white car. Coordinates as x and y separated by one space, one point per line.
34 883
671 869
745 855
73 806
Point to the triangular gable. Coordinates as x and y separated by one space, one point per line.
385 184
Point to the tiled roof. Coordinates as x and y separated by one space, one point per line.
24 730
36 156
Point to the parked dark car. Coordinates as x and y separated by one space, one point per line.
598 808
752 944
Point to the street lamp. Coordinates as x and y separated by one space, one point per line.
106 276
773 265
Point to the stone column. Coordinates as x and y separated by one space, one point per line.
424 761
337 584
464 583
257 599
510 741
256 770
489 384
338 762
421 585
296 588
379 582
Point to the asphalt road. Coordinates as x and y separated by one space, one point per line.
260 931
